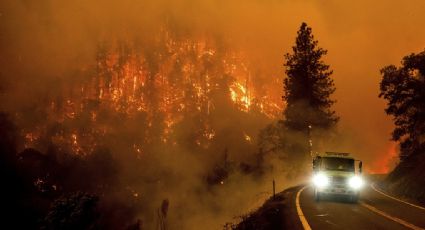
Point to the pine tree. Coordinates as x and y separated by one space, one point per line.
308 86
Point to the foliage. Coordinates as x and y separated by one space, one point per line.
307 91
77 211
33 180
308 86
271 138
404 89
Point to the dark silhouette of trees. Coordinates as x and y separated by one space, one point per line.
11 182
308 86
78 211
404 89
19 193
33 180
307 91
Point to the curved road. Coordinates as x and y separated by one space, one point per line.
375 210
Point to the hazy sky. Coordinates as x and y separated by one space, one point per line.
362 38
44 39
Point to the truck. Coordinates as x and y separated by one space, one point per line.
335 173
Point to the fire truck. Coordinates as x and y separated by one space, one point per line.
335 173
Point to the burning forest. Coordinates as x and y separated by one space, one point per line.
160 114
160 87
163 123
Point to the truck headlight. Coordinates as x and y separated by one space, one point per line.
356 182
321 180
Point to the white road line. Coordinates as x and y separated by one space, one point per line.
300 213
400 221
402 201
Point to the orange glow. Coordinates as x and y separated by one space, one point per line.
240 96
387 162
124 82
247 138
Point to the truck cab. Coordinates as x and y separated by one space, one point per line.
335 174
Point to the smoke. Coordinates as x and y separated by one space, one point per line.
362 37
49 47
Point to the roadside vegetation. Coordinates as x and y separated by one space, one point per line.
308 116
54 185
403 88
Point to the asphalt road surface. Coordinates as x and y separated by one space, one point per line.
375 210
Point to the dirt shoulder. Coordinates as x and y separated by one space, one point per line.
407 180
276 213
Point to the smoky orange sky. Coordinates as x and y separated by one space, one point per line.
42 40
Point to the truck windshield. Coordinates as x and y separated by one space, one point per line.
338 164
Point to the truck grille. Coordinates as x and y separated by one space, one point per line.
339 180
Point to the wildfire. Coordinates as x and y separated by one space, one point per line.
240 96
30 138
75 145
247 137
180 80
209 134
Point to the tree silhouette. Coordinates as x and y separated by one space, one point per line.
404 89
308 86
307 90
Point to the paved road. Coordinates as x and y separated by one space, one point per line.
374 211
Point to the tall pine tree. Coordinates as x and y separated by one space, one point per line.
307 90
308 85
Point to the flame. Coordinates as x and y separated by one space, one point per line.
75 145
386 163
247 137
126 82
240 96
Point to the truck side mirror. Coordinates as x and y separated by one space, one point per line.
360 167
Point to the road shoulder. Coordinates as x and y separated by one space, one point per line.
395 207
277 213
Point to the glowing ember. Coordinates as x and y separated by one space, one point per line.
247 138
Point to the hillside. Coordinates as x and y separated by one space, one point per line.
407 180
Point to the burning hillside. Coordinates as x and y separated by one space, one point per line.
166 118
138 112
163 83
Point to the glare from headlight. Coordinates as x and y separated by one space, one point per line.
320 180
356 182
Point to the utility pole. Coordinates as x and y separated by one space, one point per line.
310 141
